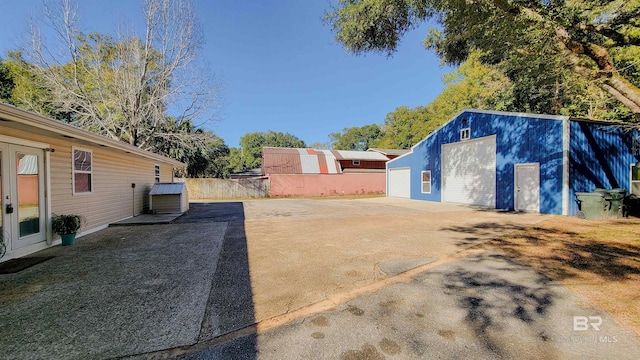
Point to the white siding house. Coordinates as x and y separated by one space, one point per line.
69 170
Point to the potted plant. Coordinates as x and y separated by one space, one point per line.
67 226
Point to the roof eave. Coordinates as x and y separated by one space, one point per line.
29 118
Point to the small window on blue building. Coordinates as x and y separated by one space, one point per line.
426 182
465 134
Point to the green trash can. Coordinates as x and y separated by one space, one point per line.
592 206
615 197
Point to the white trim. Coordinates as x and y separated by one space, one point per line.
23 142
398 168
20 116
47 197
515 183
73 171
501 113
516 114
24 251
465 134
422 181
492 138
157 173
566 150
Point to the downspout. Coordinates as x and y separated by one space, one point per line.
47 194
566 150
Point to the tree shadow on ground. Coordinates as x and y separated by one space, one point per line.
479 233
499 297
561 253
564 254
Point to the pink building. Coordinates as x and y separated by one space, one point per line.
309 172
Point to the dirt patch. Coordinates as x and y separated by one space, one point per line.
599 260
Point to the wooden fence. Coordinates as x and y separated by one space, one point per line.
227 188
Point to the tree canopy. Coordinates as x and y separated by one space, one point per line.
471 85
148 91
356 138
249 155
553 51
126 88
6 83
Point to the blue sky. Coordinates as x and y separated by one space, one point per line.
280 65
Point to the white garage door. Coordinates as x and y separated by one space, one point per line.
400 183
469 172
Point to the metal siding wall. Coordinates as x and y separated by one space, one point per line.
518 140
600 157
529 140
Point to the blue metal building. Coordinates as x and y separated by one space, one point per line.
517 161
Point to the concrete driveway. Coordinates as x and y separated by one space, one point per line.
288 279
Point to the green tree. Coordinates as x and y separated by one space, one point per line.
249 156
471 85
235 161
28 91
204 152
356 138
6 83
125 88
320 146
404 127
552 46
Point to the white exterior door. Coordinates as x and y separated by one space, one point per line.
527 187
399 183
469 172
22 192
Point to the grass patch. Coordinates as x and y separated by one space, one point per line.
599 260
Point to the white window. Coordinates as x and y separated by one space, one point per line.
356 162
156 173
82 171
426 182
465 134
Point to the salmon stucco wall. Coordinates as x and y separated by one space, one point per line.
327 184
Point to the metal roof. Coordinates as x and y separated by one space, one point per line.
28 165
298 161
359 155
392 152
167 189
311 161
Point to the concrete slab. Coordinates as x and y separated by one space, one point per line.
289 279
480 307
148 219
120 291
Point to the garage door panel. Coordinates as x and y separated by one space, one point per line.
469 172
400 183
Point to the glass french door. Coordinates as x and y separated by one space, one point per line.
22 192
